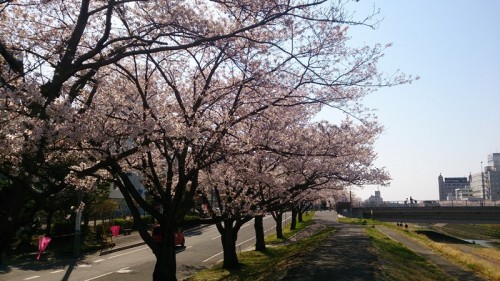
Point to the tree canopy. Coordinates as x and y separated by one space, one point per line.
168 90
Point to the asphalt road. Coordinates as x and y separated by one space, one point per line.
203 249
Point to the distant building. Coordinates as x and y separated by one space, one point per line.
478 186
376 200
114 192
117 196
486 184
465 193
447 186
492 179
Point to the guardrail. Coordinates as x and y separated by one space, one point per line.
433 203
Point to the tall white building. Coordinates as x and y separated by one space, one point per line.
486 184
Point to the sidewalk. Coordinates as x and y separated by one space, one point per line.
123 242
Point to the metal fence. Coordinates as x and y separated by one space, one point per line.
434 203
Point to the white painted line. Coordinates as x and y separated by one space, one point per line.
57 271
216 237
102 275
32 277
189 247
245 241
84 265
128 253
212 257
124 270
99 260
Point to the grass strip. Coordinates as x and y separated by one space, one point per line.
268 264
397 262
469 260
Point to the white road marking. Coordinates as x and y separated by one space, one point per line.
57 271
216 237
32 277
102 275
99 260
245 241
212 257
124 270
84 265
144 248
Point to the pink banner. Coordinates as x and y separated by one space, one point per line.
43 242
115 230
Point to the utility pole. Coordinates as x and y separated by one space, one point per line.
78 222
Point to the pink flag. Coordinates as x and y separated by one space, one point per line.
115 230
43 242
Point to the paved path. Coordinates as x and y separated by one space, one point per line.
342 256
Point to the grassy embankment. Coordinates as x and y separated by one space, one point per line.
396 262
470 258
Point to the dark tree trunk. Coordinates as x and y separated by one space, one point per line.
293 224
7 235
278 217
165 267
260 244
229 235
48 222
303 209
17 209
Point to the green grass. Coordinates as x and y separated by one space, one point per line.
396 262
358 221
453 252
287 233
473 231
264 265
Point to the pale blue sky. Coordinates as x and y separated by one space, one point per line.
448 121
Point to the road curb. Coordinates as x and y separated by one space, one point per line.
113 250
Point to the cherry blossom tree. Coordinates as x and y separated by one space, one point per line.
105 88
289 164
320 156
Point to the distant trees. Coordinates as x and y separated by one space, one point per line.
93 90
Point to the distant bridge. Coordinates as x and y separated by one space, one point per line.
466 212
459 214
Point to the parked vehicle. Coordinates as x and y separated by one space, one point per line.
178 236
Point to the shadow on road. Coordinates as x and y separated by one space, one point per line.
71 266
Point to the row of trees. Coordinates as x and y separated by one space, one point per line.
196 97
